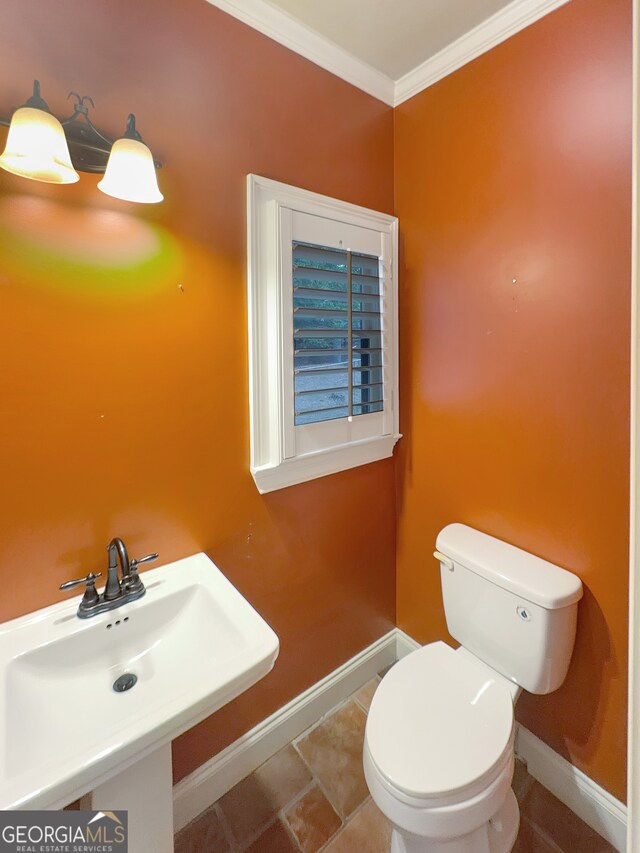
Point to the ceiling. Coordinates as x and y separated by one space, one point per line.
391 49
393 36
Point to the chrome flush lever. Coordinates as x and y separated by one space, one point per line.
442 558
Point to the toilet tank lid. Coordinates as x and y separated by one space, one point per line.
517 571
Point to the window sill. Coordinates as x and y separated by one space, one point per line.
310 466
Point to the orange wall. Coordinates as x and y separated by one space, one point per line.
123 332
123 342
515 394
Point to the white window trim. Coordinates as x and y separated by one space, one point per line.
266 200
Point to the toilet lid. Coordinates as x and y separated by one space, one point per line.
438 723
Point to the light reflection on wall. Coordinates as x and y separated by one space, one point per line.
101 253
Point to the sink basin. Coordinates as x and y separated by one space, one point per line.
192 642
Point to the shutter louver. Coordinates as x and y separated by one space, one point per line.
338 336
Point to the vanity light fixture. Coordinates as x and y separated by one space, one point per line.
43 148
130 172
36 145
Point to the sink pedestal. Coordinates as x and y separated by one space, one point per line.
145 791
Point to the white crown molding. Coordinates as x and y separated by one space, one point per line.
291 33
286 30
498 28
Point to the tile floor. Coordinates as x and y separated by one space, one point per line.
311 796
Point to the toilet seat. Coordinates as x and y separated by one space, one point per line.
440 728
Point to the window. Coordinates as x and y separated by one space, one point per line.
337 330
322 334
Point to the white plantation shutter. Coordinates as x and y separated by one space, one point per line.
322 333
338 354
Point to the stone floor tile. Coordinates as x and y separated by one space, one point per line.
312 820
529 841
203 835
522 781
282 808
384 671
368 831
333 751
255 801
275 839
555 821
365 694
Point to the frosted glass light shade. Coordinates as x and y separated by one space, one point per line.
130 173
37 148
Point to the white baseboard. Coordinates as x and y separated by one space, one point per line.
196 792
405 644
597 807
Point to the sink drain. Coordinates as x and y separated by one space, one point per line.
124 682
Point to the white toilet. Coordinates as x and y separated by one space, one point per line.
439 742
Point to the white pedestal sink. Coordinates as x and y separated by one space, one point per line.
193 642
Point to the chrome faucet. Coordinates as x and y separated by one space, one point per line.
118 589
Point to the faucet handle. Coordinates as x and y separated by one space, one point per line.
132 582
90 594
148 559
90 579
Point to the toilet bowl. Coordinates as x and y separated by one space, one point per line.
439 740
439 754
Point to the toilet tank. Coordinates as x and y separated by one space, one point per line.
514 611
